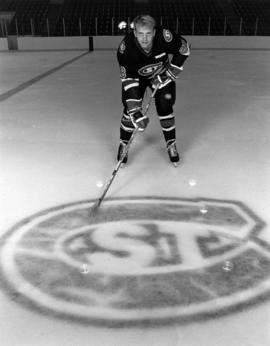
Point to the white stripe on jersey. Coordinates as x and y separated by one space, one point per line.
131 85
167 129
163 117
134 100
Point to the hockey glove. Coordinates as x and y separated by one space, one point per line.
161 80
139 120
166 77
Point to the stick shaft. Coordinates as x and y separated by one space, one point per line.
116 169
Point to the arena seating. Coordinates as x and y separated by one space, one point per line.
254 15
101 17
30 15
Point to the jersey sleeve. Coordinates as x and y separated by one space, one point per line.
129 78
180 50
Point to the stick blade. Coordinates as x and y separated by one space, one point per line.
94 209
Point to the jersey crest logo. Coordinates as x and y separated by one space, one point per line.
122 47
167 35
123 74
148 70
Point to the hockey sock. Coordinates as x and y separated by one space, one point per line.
167 123
126 128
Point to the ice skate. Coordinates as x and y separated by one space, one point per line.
121 150
173 154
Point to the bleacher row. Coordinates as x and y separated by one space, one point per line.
101 17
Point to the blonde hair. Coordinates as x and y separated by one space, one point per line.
144 20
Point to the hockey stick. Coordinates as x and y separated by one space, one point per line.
124 153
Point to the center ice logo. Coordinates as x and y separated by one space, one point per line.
141 260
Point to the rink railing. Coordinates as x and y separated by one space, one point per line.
201 26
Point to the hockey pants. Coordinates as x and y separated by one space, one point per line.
164 102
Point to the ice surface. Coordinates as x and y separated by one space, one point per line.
58 140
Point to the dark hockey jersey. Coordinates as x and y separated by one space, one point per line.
169 50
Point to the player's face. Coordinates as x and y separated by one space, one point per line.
145 36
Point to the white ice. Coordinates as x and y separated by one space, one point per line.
58 140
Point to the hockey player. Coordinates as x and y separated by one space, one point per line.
150 57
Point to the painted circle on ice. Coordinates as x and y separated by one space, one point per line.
138 260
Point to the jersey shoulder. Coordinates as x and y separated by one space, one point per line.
172 41
167 40
126 43
164 35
